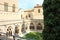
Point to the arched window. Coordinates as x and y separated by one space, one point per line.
38 10
29 15
32 26
39 26
9 31
5 6
13 8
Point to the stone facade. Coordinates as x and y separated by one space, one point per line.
17 22
34 17
9 18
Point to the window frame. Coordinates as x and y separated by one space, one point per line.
13 8
5 6
38 10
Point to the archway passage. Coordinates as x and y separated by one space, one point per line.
39 26
9 31
31 26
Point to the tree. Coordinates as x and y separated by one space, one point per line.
51 9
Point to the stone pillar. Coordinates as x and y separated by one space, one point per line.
42 25
29 25
13 30
35 27
20 27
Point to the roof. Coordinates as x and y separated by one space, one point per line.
30 10
37 6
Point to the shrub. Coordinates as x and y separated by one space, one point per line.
33 36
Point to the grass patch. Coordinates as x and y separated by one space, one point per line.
34 36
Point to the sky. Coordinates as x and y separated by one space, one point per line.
28 4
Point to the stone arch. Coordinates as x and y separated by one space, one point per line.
9 31
39 26
32 27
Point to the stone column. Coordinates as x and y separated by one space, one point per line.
42 25
35 26
28 27
13 30
29 21
20 27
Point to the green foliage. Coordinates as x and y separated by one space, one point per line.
51 9
33 36
18 39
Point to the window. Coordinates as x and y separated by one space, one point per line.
5 6
13 8
9 31
26 17
30 16
38 10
